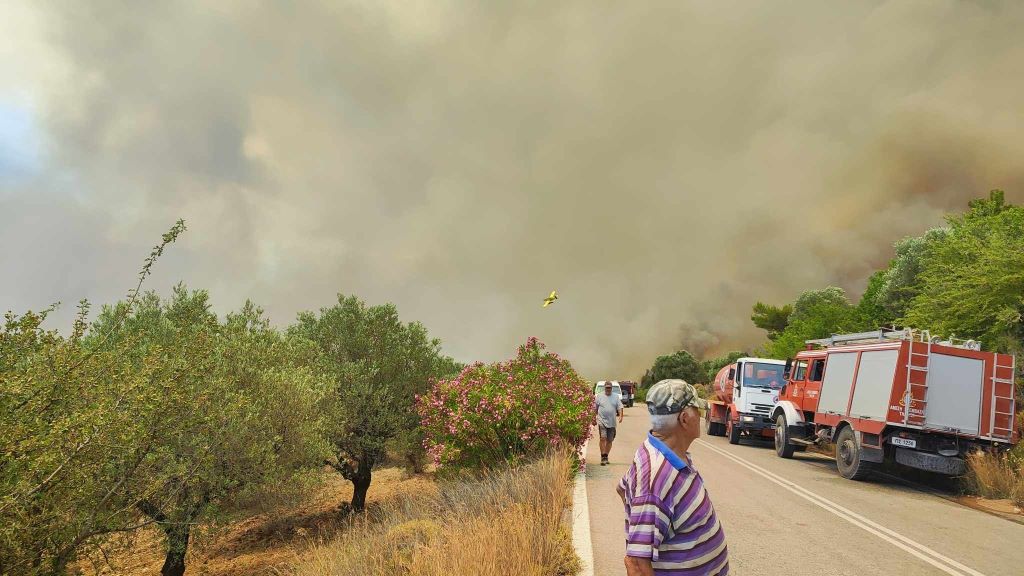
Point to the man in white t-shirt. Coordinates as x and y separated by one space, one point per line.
608 406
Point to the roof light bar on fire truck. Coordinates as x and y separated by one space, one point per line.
884 334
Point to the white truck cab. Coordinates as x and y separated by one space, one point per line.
757 385
744 394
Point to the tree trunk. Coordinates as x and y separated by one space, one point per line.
60 561
417 460
361 483
177 546
177 534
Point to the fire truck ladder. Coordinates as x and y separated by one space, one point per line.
924 338
1007 399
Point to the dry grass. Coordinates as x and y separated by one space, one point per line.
264 544
996 476
507 523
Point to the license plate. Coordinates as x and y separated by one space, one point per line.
908 442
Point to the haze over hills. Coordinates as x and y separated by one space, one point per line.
662 166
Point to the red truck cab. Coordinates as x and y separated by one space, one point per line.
803 380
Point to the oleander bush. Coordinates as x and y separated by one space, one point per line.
490 415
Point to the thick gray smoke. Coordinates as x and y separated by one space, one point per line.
660 164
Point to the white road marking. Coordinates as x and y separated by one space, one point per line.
917 549
581 521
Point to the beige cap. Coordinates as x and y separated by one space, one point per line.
672 396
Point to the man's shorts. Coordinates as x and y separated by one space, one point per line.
606 433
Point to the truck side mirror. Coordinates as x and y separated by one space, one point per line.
732 374
787 369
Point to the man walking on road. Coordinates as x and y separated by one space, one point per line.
608 407
671 526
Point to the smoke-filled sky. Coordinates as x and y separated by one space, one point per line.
662 164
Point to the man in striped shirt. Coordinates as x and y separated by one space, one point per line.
671 526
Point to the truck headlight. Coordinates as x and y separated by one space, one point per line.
748 418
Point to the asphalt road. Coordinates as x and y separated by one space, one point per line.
800 517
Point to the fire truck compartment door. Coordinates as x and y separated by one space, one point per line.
954 393
835 388
874 384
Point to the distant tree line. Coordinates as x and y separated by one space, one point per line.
685 366
965 279
161 413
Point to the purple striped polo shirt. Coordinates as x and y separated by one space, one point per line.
669 515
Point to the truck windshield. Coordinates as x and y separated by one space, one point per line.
758 375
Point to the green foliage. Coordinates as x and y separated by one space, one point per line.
69 444
376 366
812 303
772 319
971 279
492 415
966 279
872 312
816 314
227 413
68 438
64 414
681 365
159 413
898 284
156 413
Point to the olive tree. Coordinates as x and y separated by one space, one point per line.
69 450
68 446
377 365
229 413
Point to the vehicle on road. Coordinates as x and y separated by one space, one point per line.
744 394
896 396
624 390
628 392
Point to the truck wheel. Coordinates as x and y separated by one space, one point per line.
734 434
711 428
848 457
782 446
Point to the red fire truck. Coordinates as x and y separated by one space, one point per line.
896 396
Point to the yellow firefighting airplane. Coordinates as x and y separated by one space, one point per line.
550 299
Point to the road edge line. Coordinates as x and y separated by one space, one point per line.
581 542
